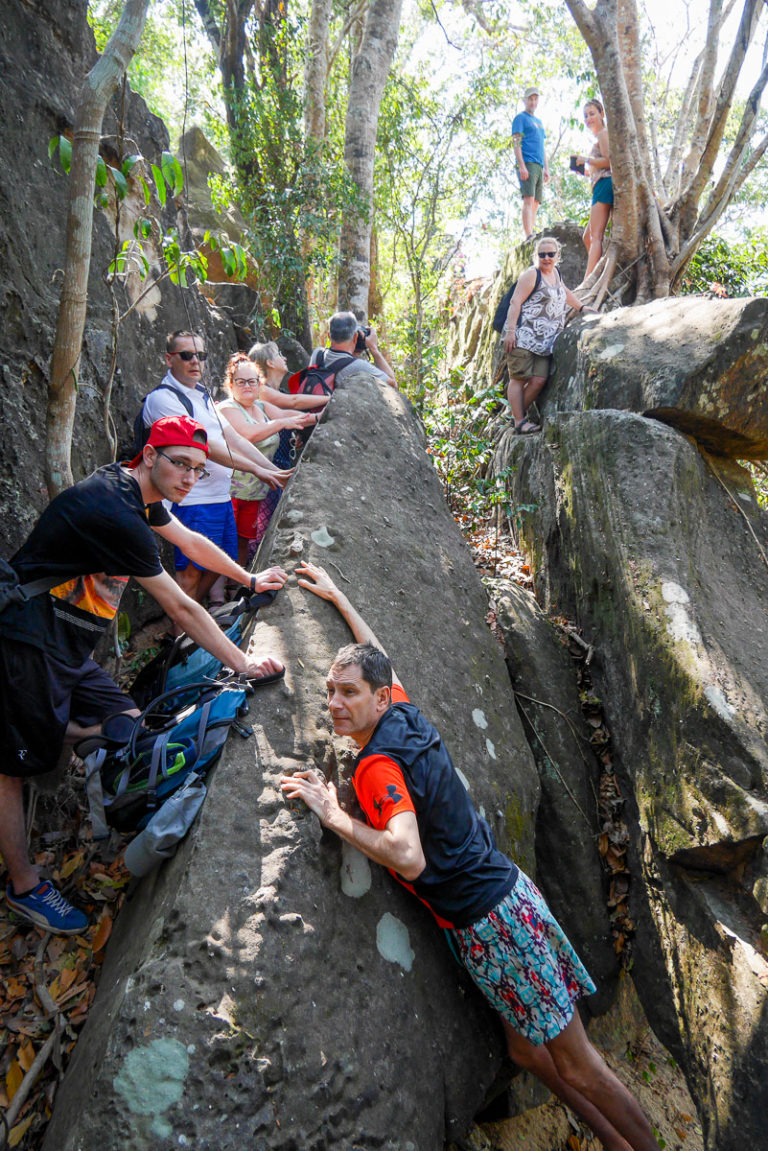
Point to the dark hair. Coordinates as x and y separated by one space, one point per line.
342 327
179 334
596 104
375 667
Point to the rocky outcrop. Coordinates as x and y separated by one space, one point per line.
697 364
46 48
269 989
661 557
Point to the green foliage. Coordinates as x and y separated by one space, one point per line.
729 268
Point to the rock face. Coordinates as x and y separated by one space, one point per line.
567 829
267 989
698 365
46 48
662 560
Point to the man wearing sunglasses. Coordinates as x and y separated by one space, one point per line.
207 508
72 570
528 142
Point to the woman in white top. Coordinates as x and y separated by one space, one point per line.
261 424
598 165
535 319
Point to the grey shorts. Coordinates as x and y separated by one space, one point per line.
523 364
534 185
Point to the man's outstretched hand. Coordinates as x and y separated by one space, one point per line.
318 795
270 579
316 579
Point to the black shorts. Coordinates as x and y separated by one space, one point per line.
39 695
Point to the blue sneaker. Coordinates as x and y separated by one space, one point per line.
47 908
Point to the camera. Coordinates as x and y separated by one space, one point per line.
361 336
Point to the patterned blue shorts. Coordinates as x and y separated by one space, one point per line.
522 961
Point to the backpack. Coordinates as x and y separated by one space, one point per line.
137 763
11 591
318 379
500 315
141 430
180 660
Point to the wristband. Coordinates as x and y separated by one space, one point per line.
253 583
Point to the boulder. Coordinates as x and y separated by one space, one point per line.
661 558
269 989
697 364
568 866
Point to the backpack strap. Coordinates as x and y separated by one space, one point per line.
185 401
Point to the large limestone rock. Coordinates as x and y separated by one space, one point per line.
268 989
567 827
662 559
699 365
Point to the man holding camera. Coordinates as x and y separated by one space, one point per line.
350 338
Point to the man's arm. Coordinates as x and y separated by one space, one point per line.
210 557
192 618
517 144
372 344
398 846
316 579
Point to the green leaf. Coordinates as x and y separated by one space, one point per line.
130 162
65 153
172 171
53 144
121 184
146 190
101 199
101 172
123 627
159 184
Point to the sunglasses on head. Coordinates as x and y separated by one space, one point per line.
187 356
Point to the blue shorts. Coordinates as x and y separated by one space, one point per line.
214 521
602 193
522 961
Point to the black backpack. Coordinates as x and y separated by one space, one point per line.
500 315
141 430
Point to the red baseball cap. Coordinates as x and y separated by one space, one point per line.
174 431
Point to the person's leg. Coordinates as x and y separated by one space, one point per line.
515 399
532 389
598 222
540 1063
13 835
529 215
581 1067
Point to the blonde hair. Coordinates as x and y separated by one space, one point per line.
261 354
550 240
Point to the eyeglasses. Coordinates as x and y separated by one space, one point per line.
187 357
547 255
200 472
249 383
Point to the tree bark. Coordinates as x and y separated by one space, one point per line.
98 89
369 75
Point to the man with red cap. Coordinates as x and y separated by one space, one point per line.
72 571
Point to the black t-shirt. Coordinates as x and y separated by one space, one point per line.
95 535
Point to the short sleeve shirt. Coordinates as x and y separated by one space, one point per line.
95 535
359 368
532 130
215 488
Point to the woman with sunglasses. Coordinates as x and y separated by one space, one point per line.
260 423
535 319
598 168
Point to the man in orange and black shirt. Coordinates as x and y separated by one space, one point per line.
422 826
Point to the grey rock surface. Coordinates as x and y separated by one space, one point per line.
662 561
267 989
567 826
697 364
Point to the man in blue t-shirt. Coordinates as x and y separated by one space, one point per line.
423 827
528 141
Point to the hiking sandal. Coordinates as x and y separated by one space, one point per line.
526 427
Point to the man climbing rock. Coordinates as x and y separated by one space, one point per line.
208 507
528 142
71 573
422 826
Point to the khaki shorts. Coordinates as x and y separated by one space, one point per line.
522 364
534 185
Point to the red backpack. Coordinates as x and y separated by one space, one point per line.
318 379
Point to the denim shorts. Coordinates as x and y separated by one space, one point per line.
214 521
521 959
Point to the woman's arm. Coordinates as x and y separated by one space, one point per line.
525 286
292 403
265 428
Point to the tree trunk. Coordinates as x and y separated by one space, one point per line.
98 89
369 75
